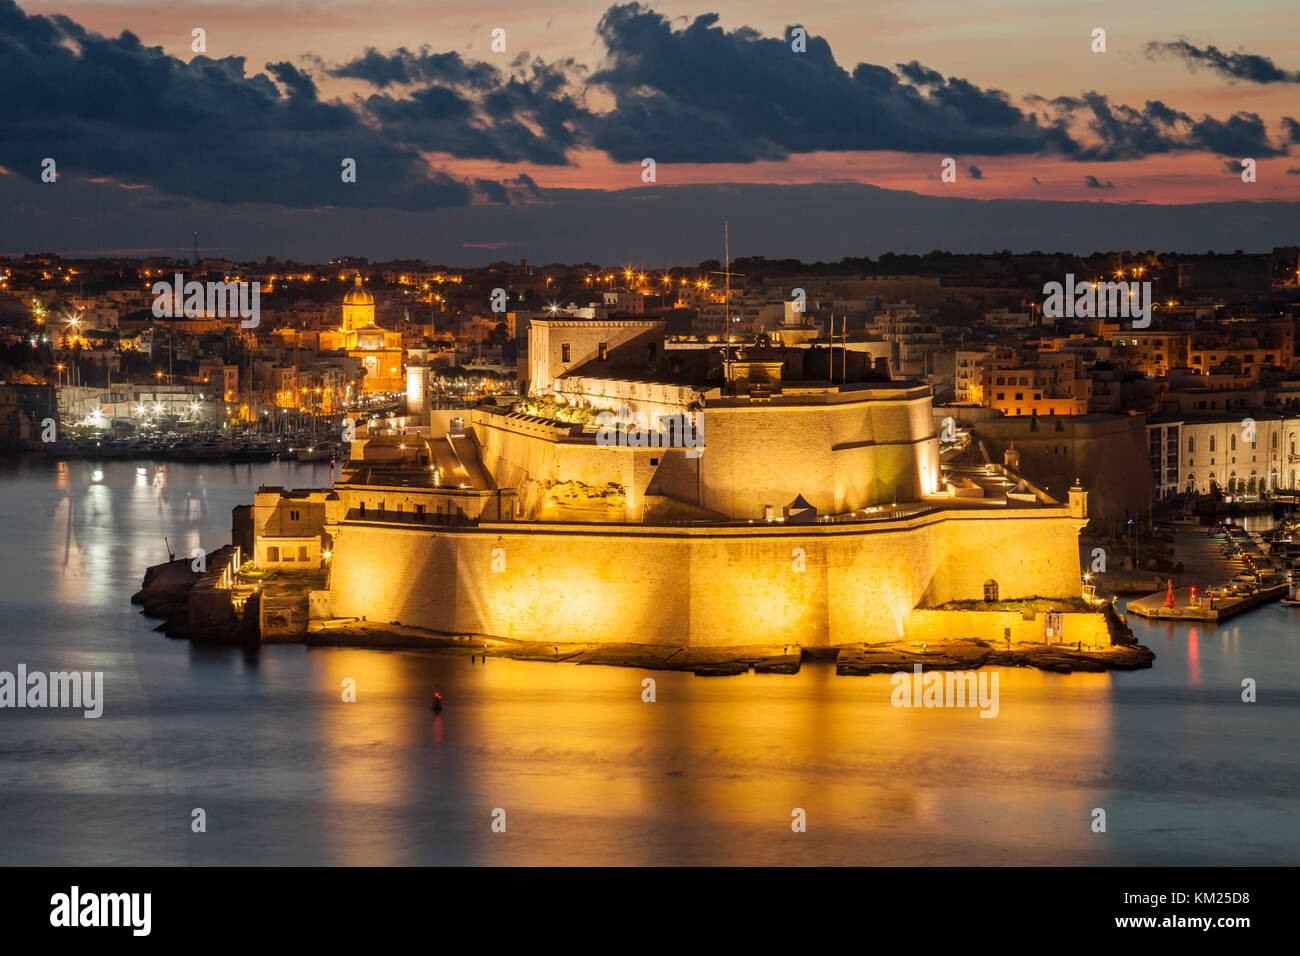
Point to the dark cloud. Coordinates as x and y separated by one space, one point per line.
1121 133
692 91
704 94
403 68
1236 66
293 79
1124 132
1092 182
115 108
443 103
1036 180
1293 171
521 188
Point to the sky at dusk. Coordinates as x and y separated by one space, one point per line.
466 155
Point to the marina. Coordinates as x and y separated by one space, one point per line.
254 447
1237 569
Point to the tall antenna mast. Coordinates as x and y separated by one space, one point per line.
726 255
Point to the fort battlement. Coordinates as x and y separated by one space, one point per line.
814 585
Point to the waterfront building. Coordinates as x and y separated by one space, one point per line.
789 512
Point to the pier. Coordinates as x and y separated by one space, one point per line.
1219 608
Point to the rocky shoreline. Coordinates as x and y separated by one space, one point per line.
970 655
849 660
165 594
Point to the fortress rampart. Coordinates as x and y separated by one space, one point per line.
813 585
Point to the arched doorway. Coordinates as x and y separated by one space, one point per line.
990 591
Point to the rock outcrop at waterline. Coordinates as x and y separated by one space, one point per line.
969 655
167 593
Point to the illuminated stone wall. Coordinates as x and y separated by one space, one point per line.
815 586
841 450
551 340
991 626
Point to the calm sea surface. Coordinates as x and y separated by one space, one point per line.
584 770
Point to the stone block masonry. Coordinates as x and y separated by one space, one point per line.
813 585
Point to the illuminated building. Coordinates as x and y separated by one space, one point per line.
378 350
810 514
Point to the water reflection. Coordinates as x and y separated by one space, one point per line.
585 770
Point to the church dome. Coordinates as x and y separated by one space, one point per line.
357 295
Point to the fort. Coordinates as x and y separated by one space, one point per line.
805 514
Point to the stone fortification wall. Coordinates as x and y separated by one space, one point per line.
813 585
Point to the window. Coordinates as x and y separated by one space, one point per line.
1232 443
1191 444
990 590
273 554
293 516
363 509
1211 443
603 350
564 352
302 552
1020 396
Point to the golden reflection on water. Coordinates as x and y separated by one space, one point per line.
711 771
